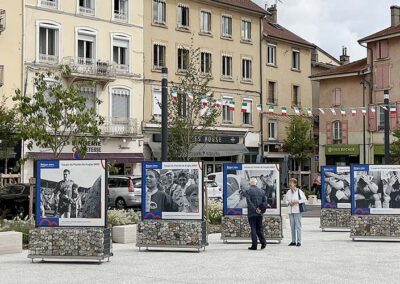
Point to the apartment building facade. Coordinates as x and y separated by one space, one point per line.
227 32
286 61
100 44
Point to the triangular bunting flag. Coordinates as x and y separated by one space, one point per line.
283 110
204 101
373 110
333 111
271 110
231 105
244 107
174 95
392 109
309 112
218 103
321 110
384 107
296 110
190 97
353 111
364 110
342 111
259 108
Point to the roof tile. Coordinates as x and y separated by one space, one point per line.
277 31
382 33
245 4
352 67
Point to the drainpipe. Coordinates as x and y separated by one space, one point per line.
261 92
371 87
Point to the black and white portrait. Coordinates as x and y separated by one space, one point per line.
174 191
73 191
237 182
337 187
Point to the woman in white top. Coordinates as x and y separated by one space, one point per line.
294 196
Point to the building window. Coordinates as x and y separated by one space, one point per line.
205 22
296 96
271 54
381 118
183 59
120 53
246 70
246 30
272 130
247 114
158 56
227 66
337 132
90 94
296 59
156 102
121 10
183 16
271 93
227 110
120 101
159 12
86 47
205 63
87 7
227 26
336 97
382 49
52 4
48 43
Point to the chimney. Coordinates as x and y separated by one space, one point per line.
395 15
344 58
273 16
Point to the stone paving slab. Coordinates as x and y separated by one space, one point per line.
324 257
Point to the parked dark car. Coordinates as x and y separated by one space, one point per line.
14 200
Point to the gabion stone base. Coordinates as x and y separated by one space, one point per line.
70 242
375 226
237 227
172 233
335 218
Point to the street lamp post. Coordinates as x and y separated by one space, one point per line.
164 114
387 128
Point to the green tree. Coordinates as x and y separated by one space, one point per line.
395 147
192 109
56 115
8 133
299 141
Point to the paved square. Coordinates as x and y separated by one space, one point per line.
329 257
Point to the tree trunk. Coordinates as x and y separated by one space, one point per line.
299 181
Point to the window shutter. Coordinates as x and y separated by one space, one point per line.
345 131
384 48
328 132
398 112
120 104
333 97
376 50
371 119
338 97
393 120
385 76
379 77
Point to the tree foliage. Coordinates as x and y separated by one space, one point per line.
299 141
8 132
395 147
56 115
188 117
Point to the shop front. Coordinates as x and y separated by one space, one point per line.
124 154
212 150
342 155
379 154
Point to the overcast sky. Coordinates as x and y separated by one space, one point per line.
331 24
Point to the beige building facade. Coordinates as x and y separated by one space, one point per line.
100 45
228 35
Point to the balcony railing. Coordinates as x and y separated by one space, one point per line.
2 20
120 126
1 75
89 66
46 58
53 4
120 16
86 11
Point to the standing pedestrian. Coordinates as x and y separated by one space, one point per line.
294 197
256 205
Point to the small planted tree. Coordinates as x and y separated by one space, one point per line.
8 133
56 115
299 141
192 108
395 147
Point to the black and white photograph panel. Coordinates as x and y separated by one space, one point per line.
74 192
173 191
337 187
366 189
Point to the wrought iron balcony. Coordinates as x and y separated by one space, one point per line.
86 11
53 4
2 20
120 126
120 16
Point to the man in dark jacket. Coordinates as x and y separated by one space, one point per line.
256 201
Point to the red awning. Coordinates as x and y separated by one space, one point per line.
117 157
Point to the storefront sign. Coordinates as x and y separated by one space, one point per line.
379 149
342 150
94 147
210 139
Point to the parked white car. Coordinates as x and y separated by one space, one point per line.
214 191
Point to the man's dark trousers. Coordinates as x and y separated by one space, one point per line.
257 230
